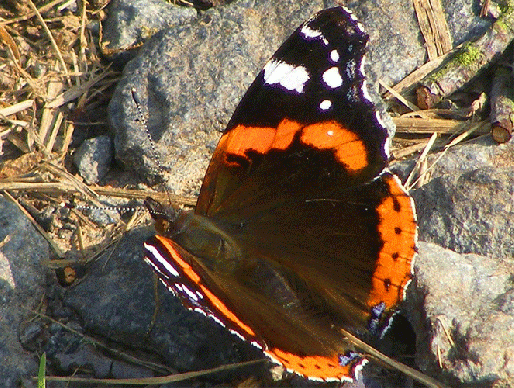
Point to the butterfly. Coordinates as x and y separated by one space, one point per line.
299 230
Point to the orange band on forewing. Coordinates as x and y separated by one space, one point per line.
330 135
286 131
349 149
397 229
193 276
241 139
320 367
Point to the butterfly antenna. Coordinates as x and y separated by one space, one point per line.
154 154
141 118
121 209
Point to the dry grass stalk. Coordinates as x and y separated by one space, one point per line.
64 68
481 126
63 187
9 41
30 15
150 381
421 72
409 150
399 97
421 160
68 134
78 90
428 125
502 105
15 108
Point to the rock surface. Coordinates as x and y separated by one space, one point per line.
467 206
22 285
93 158
461 307
132 22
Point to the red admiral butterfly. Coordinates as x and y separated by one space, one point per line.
299 230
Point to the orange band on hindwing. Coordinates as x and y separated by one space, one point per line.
316 367
397 230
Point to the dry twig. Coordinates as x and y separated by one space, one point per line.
433 26
502 105
472 57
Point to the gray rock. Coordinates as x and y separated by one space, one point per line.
86 357
461 300
464 21
93 158
469 212
461 307
132 22
22 280
479 153
104 216
395 46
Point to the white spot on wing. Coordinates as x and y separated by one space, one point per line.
387 146
288 76
332 77
325 104
309 33
358 369
237 334
334 56
362 66
216 319
201 311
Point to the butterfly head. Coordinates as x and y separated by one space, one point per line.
164 216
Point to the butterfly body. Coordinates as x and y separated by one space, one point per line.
299 230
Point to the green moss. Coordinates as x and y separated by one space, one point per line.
506 20
469 55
